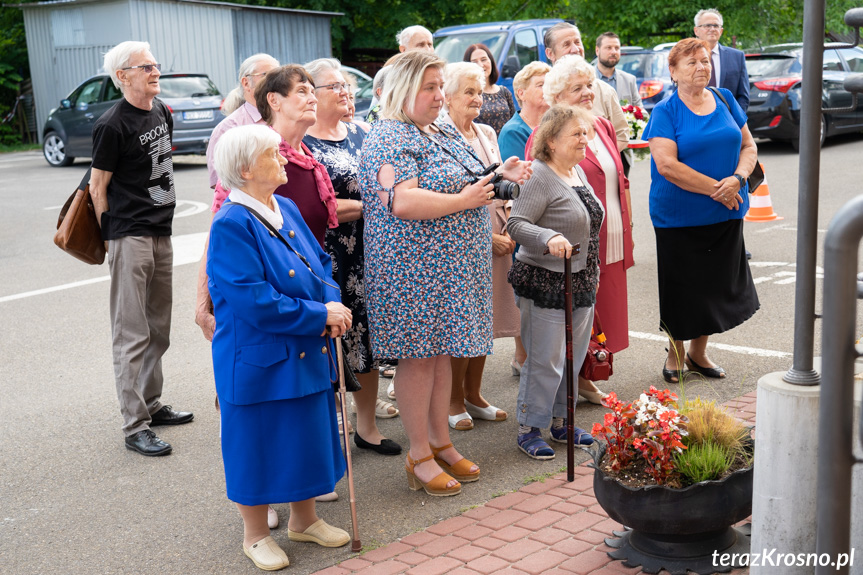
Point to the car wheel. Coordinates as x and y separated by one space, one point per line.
795 143
54 150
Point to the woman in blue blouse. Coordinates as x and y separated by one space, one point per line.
701 154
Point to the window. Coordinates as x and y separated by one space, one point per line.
451 48
854 59
831 61
187 87
112 92
88 93
524 47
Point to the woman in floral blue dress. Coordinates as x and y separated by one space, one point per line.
428 261
336 145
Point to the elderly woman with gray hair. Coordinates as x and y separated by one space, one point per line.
336 144
572 82
463 93
276 309
557 216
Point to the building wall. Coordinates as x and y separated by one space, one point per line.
290 38
188 37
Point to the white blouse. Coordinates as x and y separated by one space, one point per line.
274 216
613 213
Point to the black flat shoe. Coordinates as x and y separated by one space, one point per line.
385 447
714 372
146 443
670 375
167 416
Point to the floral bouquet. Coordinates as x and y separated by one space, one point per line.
636 117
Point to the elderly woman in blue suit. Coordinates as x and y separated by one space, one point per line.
276 311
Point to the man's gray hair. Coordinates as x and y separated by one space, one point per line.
549 34
238 149
235 98
317 67
404 37
713 11
454 74
119 57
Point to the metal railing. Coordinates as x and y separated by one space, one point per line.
838 350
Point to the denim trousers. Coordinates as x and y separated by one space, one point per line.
542 387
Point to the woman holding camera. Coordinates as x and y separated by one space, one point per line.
463 88
428 261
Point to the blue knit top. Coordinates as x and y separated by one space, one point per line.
709 145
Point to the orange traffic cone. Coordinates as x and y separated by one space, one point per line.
760 206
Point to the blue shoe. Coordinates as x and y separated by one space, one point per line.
581 436
534 445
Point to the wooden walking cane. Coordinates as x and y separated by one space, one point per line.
356 546
570 372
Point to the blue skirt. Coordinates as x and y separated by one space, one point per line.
281 451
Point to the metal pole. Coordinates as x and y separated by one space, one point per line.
570 369
836 416
802 372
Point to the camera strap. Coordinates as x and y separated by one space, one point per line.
449 152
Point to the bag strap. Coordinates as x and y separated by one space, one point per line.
276 233
85 182
720 96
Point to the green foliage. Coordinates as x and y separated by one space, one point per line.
13 68
703 462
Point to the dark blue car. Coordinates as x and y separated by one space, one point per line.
513 44
650 68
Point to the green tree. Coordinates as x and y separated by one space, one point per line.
14 66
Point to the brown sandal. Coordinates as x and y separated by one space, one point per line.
460 470
437 486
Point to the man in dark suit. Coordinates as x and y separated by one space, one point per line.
729 65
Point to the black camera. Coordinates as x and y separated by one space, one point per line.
503 189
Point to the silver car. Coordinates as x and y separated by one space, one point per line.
193 99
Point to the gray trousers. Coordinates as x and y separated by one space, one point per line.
542 387
141 273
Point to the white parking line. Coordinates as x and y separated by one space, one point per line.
188 249
194 208
722 346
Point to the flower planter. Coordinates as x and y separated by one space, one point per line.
679 530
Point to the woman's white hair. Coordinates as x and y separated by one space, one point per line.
238 149
119 57
457 72
235 98
404 81
522 79
380 79
317 67
404 37
562 75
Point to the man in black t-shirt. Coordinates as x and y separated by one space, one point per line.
132 185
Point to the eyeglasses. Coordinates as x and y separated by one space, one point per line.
711 26
258 74
147 68
337 87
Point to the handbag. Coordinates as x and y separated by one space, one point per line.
756 178
598 363
78 231
351 382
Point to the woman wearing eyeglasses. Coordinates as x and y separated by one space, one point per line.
287 102
336 144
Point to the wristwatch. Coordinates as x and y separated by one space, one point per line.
740 179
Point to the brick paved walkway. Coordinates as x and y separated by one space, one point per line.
549 527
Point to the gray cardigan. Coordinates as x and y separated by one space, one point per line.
546 207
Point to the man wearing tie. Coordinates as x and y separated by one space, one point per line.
728 65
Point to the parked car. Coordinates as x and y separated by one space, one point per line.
650 68
513 44
193 99
775 86
364 93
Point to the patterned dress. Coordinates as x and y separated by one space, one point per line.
345 243
428 282
497 109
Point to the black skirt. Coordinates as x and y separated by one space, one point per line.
705 285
